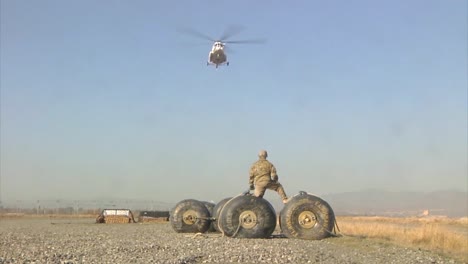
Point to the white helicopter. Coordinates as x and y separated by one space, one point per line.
217 55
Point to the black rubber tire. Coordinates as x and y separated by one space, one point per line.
190 216
210 206
216 211
259 217
308 217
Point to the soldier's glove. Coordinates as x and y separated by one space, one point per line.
252 187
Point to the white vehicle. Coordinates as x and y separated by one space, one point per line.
115 216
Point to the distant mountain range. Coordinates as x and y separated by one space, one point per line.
374 202
450 203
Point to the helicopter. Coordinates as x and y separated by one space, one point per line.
217 56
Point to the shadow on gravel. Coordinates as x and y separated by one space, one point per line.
278 236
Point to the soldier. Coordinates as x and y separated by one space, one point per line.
263 176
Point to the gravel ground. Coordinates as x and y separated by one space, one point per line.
82 241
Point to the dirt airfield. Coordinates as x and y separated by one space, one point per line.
81 240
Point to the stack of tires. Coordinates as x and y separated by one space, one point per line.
305 216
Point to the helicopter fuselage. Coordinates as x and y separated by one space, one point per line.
217 56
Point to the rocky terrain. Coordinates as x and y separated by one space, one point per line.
54 240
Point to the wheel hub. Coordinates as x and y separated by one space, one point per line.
307 219
189 217
248 219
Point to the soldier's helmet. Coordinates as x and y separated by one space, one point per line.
263 153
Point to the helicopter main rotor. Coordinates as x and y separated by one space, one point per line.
228 33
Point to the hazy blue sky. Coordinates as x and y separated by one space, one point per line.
107 97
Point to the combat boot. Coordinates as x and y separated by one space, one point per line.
282 194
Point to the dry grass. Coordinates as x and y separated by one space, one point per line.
32 216
442 235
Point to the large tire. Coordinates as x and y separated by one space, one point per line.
190 216
247 216
216 211
210 207
308 217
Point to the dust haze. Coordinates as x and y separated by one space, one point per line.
99 107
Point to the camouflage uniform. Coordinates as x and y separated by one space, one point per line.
263 176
